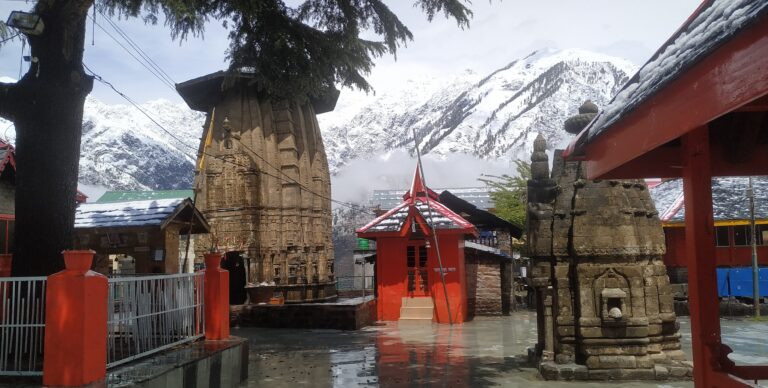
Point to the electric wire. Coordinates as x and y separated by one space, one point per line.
151 62
142 63
223 159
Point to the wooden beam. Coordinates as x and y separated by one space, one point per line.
730 77
700 249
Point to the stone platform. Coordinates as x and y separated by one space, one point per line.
198 364
348 314
676 370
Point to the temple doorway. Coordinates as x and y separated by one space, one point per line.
418 273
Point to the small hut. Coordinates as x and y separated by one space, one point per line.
147 231
408 267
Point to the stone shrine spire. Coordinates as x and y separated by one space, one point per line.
604 304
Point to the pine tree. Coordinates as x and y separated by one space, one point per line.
509 193
293 51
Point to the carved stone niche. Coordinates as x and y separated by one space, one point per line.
614 301
612 293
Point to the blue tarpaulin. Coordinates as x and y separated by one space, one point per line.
738 282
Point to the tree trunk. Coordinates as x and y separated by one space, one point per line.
48 115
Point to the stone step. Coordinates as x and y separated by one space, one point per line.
416 313
422 301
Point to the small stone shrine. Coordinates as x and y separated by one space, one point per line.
604 304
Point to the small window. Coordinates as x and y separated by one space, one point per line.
762 234
422 257
411 256
721 236
741 235
4 248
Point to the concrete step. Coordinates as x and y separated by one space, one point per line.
416 313
421 301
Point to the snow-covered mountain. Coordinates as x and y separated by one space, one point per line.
123 149
491 116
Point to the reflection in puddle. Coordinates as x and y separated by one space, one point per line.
485 352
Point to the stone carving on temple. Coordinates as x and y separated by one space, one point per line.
263 184
604 304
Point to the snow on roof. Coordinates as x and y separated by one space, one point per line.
711 26
392 221
436 215
122 214
440 217
729 199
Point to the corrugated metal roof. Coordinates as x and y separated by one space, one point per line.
125 214
712 25
124 196
729 199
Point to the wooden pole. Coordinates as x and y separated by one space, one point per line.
700 248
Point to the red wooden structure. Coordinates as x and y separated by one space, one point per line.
407 262
727 254
697 109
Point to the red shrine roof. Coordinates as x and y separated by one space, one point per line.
6 156
421 205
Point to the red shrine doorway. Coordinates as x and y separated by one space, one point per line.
418 271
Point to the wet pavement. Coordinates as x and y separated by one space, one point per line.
488 351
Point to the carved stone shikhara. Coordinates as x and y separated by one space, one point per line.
264 185
604 304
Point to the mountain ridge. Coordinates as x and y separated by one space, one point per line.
494 116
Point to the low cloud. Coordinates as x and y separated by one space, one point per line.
394 171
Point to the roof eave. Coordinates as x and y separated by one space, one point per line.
730 77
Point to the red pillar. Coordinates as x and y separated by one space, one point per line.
216 298
75 323
5 265
700 252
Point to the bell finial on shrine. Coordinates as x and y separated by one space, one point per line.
539 159
587 111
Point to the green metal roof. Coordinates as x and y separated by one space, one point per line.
124 196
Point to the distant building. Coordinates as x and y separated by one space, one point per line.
480 197
730 210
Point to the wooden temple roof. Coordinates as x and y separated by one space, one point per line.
710 72
202 93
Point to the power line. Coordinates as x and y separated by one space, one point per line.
149 68
223 159
136 47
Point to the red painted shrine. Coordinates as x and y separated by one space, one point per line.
408 237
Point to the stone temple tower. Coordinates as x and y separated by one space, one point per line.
263 180
604 304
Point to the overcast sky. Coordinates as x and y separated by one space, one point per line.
500 32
